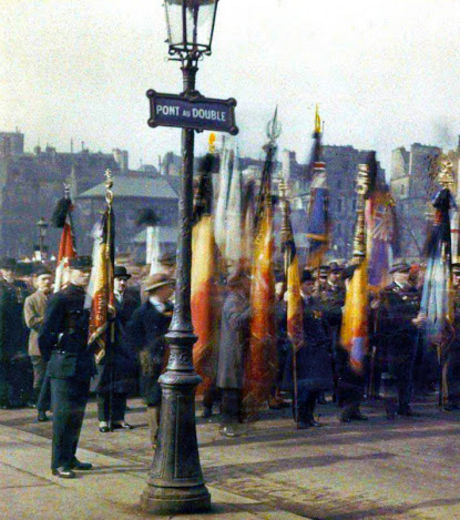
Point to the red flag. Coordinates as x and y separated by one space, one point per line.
62 218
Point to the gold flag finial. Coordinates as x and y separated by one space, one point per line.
445 177
212 143
317 121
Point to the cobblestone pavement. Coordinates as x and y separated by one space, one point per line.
406 469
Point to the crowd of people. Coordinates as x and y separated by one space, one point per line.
45 361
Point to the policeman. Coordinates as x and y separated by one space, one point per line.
397 337
63 341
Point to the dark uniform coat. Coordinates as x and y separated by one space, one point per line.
397 339
15 367
313 360
118 370
145 334
63 341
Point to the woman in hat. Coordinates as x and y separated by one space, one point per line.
145 333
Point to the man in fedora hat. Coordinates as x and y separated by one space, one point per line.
63 343
145 332
117 374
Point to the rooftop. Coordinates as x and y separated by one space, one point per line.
134 187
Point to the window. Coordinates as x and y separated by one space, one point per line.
339 205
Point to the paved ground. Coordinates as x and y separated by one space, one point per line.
407 469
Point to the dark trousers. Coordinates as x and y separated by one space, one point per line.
3 384
306 405
42 389
19 378
111 408
44 396
230 405
69 398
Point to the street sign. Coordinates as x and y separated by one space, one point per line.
197 112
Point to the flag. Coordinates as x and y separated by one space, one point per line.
203 280
100 299
233 239
318 212
62 218
354 331
318 218
261 359
220 219
380 219
291 268
437 302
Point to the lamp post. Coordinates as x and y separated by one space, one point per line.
42 226
175 484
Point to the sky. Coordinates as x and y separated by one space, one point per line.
385 73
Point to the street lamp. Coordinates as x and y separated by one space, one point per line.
176 483
42 226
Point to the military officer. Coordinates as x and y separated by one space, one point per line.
63 341
397 338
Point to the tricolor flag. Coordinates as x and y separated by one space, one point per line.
62 218
261 359
100 298
318 208
203 279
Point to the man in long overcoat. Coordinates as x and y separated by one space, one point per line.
15 367
397 337
234 338
117 373
145 333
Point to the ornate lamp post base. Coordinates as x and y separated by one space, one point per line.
176 484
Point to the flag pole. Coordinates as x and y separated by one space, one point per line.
285 229
109 263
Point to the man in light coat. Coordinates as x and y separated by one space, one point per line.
34 311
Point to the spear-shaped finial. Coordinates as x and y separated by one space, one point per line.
274 127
